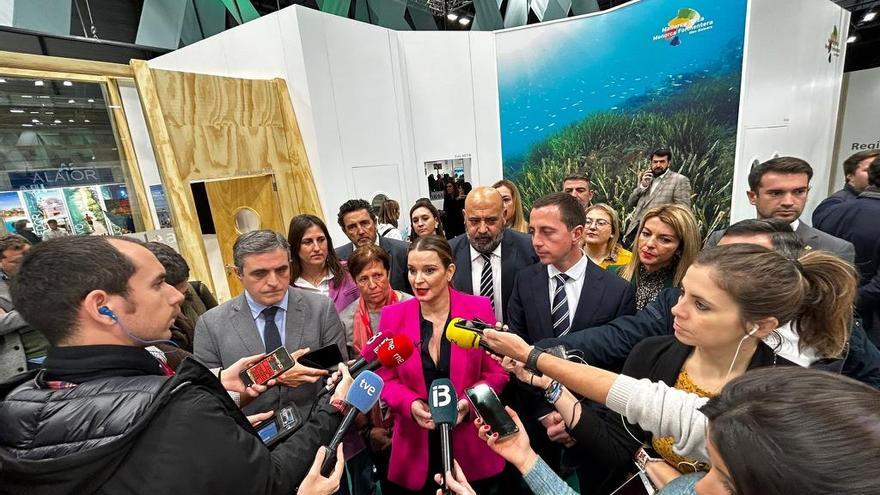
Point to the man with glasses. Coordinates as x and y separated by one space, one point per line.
488 256
778 188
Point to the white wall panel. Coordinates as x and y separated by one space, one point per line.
859 128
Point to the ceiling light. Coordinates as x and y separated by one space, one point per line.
870 16
34 112
27 125
2 80
70 120
71 101
16 110
50 113
44 97
851 39
464 21
67 83
38 83
35 121
90 100
57 121
26 96
452 17
87 121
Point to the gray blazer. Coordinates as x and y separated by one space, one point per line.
398 251
812 239
228 333
673 188
12 358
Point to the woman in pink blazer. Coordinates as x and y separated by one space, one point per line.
415 449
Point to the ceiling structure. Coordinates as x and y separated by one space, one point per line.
117 23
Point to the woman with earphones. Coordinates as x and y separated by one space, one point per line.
734 297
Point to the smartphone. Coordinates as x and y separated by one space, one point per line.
277 362
325 358
285 421
491 410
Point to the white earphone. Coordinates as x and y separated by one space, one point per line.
753 331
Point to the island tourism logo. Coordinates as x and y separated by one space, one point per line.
688 21
833 44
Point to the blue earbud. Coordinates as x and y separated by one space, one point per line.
104 310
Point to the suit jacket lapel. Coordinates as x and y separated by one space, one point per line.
806 234
541 294
508 268
243 323
591 296
463 274
294 324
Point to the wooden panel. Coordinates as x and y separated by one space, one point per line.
226 197
27 61
177 191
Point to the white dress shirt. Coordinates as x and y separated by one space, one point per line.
323 286
656 181
477 272
573 286
280 317
795 224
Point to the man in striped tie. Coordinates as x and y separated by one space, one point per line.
488 256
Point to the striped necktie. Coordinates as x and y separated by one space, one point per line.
487 285
559 309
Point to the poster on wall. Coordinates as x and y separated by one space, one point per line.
43 205
11 209
596 94
161 204
443 176
118 208
86 212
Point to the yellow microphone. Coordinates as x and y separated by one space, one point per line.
466 339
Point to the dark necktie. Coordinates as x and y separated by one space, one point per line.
559 309
271 335
487 285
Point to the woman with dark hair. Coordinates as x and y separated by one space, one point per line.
313 263
415 449
735 297
425 220
453 210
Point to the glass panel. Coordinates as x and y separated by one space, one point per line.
60 159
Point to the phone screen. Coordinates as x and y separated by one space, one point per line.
268 431
324 358
269 367
490 409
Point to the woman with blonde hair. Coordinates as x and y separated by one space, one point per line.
602 236
514 216
666 244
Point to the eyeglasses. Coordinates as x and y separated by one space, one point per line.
599 222
377 279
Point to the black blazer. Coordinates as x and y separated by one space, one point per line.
398 251
516 253
607 445
604 297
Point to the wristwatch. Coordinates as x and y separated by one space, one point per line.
553 392
532 360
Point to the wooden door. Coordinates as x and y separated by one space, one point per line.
252 199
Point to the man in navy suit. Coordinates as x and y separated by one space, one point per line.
565 292
488 256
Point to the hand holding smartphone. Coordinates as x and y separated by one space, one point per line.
274 364
491 410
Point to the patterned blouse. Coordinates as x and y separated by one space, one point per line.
663 445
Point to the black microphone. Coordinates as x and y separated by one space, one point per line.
361 397
443 403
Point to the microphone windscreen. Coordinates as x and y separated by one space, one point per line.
369 350
463 338
364 392
395 351
443 401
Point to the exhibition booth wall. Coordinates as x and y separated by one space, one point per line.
375 106
859 127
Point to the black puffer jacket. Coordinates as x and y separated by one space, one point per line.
145 434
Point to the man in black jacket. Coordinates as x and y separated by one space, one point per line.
608 346
105 416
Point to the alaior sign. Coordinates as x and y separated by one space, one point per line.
67 177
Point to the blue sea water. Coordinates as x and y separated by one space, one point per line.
550 76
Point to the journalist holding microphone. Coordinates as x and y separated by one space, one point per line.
415 447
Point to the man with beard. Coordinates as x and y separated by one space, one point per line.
488 256
778 188
657 186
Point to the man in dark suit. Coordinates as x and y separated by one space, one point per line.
857 222
778 188
507 251
855 170
270 313
359 224
564 292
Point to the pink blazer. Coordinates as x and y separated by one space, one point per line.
406 383
345 294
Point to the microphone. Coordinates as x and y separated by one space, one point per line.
464 337
362 396
389 353
475 325
443 403
368 353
